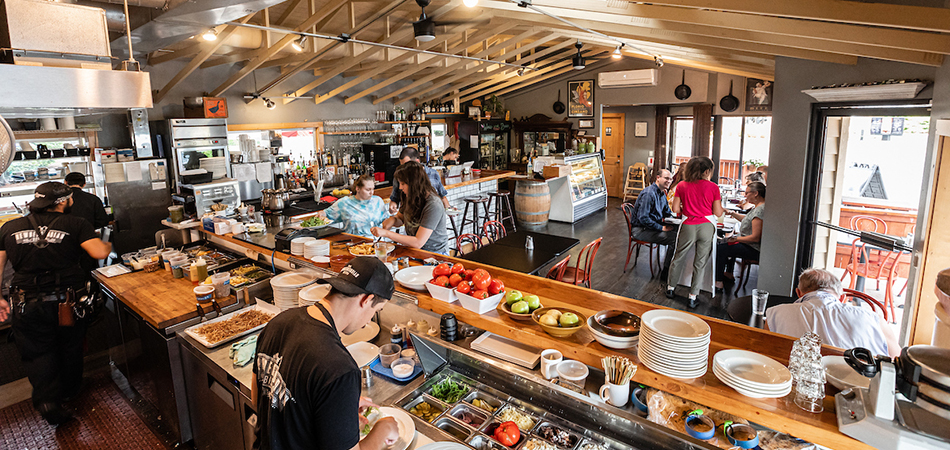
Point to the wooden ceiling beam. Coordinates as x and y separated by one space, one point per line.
875 14
459 65
390 79
282 20
529 78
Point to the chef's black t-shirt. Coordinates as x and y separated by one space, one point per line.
308 386
39 268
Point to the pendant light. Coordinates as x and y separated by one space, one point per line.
579 63
616 53
210 35
299 43
470 3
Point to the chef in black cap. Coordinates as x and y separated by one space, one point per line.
306 385
45 248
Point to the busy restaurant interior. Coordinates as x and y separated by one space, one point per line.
488 224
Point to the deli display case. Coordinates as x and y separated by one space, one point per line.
582 192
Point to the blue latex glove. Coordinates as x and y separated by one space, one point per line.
242 352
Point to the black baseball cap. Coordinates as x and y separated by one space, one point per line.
50 193
364 275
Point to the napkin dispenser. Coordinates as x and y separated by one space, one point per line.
282 239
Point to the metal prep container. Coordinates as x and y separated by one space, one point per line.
489 430
458 379
482 442
591 442
573 437
543 443
434 404
534 418
478 416
487 398
453 428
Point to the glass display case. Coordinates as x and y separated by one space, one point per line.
587 178
582 192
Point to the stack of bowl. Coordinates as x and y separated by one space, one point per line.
615 329
297 245
315 248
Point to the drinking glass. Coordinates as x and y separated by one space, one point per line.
759 299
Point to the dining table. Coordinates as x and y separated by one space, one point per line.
708 278
510 252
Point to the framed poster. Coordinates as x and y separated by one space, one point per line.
581 101
758 95
640 129
585 123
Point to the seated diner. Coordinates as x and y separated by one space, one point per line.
421 212
746 244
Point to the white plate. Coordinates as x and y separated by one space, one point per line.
444 446
321 259
660 363
841 375
675 361
291 280
674 341
753 368
414 277
678 324
363 352
739 384
670 372
367 333
407 428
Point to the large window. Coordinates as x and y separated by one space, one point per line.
744 146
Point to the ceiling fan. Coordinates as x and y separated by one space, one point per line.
424 28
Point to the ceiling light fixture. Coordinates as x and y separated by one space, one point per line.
470 3
269 103
210 35
658 60
616 53
299 43
521 72
579 63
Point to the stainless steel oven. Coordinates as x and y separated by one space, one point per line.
193 144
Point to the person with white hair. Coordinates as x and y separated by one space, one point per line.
820 310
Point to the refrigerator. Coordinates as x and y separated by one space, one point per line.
582 192
486 142
192 144
139 195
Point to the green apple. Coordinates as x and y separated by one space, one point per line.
534 302
569 319
512 297
520 307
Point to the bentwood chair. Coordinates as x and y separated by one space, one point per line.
876 305
467 243
876 264
635 244
557 272
745 268
492 231
579 275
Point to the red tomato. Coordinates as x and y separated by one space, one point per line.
455 279
508 433
458 268
464 287
478 271
469 274
442 281
481 279
480 294
496 286
441 269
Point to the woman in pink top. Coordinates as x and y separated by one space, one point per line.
699 201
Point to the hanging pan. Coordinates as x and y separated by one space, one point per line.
558 106
729 103
683 91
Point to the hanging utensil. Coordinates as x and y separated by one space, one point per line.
682 92
729 103
558 106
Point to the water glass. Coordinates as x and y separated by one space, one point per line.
759 299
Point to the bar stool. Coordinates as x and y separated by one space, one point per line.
501 208
452 213
476 220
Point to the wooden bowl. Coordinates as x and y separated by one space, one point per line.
505 308
559 331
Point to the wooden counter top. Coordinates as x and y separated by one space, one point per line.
160 299
457 182
779 414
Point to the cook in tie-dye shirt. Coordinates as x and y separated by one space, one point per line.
359 212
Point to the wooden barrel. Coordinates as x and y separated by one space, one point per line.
532 203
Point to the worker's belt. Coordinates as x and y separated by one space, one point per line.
29 297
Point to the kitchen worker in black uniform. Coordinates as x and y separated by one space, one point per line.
89 207
45 249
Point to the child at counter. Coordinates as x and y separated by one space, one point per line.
359 212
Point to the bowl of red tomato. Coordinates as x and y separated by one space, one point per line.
479 292
443 282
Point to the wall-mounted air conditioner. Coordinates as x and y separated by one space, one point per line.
629 78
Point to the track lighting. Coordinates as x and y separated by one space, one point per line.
470 3
521 72
658 60
299 43
616 53
269 103
210 35
579 63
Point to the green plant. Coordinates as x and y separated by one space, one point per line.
753 162
493 105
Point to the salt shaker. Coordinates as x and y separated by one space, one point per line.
529 243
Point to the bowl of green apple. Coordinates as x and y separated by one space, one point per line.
519 306
558 322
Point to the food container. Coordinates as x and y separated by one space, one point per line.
480 306
388 354
558 435
483 442
220 283
574 371
176 213
495 403
591 445
403 367
127 258
453 428
441 293
177 263
434 405
489 430
741 435
469 415
538 444
501 416
466 387
700 427
204 293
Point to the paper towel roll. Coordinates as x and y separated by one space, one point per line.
47 123
66 123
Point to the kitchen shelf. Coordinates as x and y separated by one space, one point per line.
335 133
406 121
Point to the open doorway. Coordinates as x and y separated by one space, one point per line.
867 173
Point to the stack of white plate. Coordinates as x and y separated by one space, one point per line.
312 294
315 248
674 343
752 374
287 288
297 245
216 165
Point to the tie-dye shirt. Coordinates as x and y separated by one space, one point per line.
358 216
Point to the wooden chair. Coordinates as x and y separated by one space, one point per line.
875 303
745 268
557 272
636 181
865 223
466 243
636 244
492 231
875 264
579 275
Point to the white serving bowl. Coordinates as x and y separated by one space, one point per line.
480 306
609 341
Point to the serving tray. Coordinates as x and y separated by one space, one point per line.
259 306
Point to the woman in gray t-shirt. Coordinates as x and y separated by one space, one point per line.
746 244
421 212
